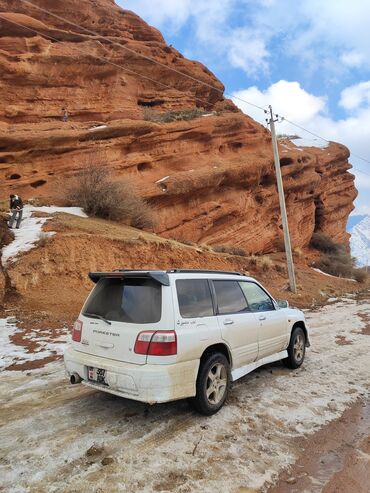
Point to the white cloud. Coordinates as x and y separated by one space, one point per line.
355 96
247 51
290 100
352 59
286 98
332 34
174 14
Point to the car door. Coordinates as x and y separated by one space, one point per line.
272 322
196 321
239 326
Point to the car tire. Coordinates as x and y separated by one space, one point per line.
296 349
212 385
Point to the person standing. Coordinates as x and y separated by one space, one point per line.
65 116
16 209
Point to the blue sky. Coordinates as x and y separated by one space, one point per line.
310 59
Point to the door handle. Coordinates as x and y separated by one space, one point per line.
262 317
105 345
228 322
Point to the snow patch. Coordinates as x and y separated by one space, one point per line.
360 242
99 127
27 236
165 178
301 142
335 277
9 351
52 424
45 344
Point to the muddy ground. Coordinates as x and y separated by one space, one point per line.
281 430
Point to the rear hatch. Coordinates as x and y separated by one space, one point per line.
117 310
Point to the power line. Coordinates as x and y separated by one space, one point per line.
101 58
162 84
328 141
138 54
179 72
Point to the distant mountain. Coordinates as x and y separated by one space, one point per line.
360 239
353 221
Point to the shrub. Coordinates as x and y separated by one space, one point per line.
253 260
230 250
360 275
185 242
337 264
325 244
95 191
173 116
335 259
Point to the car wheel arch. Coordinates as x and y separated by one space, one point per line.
217 348
302 326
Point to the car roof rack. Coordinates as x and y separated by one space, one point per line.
203 271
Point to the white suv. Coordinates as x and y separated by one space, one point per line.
157 336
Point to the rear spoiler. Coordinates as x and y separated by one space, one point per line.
158 276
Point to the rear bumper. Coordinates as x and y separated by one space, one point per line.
145 383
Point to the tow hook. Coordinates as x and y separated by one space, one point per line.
75 378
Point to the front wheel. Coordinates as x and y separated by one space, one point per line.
296 349
213 384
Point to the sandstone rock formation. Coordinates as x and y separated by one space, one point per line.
210 179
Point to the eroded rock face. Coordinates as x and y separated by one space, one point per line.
210 179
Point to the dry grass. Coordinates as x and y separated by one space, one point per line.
43 239
265 264
230 250
5 235
298 252
100 196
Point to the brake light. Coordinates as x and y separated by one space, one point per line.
77 331
156 343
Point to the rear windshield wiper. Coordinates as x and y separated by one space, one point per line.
94 315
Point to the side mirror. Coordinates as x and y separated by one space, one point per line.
283 303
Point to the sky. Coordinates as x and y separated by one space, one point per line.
309 59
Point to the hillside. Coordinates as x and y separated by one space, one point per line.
204 167
47 285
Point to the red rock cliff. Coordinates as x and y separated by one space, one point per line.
219 185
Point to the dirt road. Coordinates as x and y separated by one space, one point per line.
59 438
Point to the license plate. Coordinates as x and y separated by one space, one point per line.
96 374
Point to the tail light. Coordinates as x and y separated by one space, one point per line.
156 343
77 331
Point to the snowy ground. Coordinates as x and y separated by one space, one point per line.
29 233
48 426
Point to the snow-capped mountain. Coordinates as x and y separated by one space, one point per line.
360 240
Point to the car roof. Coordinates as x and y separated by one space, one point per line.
162 276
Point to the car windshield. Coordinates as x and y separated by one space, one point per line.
137 301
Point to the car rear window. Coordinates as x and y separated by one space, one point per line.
194 298
230 298
137 301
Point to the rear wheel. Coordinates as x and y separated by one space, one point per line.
213 384
296 349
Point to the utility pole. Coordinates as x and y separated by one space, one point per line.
284 218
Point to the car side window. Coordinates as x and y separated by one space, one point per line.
258 299
230 298
194 297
